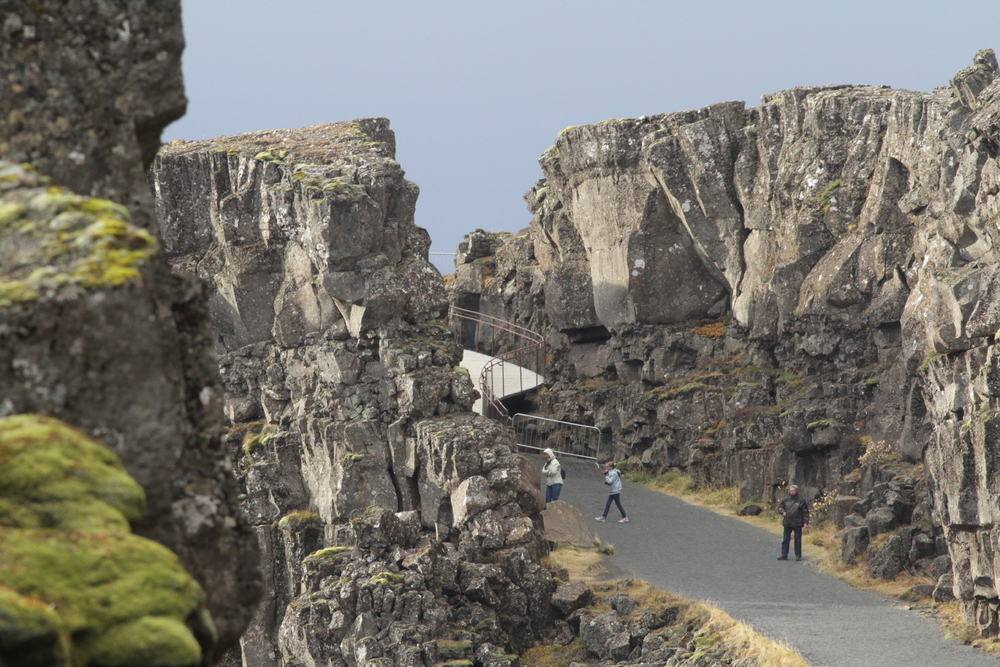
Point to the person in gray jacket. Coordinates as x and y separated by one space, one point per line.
552 471
613 478
795 516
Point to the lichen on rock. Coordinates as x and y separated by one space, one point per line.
78 588
51 238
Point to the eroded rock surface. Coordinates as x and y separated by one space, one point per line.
94 329
395 526
743 293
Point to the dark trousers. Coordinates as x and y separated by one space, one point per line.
616 497
552 492
788 536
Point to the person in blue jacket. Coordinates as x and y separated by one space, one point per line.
613 478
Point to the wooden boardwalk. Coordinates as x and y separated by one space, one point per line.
508 379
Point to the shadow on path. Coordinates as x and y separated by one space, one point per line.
698 554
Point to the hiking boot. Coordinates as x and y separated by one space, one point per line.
623 520
600 518
782 557
798 558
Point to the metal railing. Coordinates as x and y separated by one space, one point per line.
509 345
564 438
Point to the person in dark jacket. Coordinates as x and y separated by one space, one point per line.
795 511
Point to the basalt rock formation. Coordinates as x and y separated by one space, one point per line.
395 526
750 294
94 328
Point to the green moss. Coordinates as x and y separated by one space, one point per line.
327 553
65 506
11 212
256 439
822 423
931 356
454 663
387 578
62 238
164 642
52 476
299 520
824 195
29 631
271 156
453 650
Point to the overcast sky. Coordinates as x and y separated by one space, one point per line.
475 91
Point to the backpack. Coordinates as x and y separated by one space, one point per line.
562 471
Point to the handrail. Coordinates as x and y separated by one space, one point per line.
581 436
507 343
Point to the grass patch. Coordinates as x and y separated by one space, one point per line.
822 547
576 560
553 655
712 630
744 644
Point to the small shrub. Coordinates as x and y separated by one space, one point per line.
876 453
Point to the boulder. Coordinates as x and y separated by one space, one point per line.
854 543
571 596
603 632
881 520
623 604
565 523
944 589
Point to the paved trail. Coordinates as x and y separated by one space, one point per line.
701 555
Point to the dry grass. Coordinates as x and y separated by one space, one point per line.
576 560
744 644
717 629
724 500
822 547
553 655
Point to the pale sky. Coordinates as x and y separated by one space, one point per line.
475 91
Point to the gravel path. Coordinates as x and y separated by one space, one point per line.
701 555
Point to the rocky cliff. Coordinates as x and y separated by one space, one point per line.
395 526
764 295
94 328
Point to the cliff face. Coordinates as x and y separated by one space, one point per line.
94 329
747 293
382 506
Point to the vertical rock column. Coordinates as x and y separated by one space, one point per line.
122 352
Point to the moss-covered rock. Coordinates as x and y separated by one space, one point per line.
52 476
50 238
80 588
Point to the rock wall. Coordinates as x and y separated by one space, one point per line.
747 293
394 525
94 329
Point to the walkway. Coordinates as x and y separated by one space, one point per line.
507 380
701 555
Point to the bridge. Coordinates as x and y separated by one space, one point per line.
508 361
